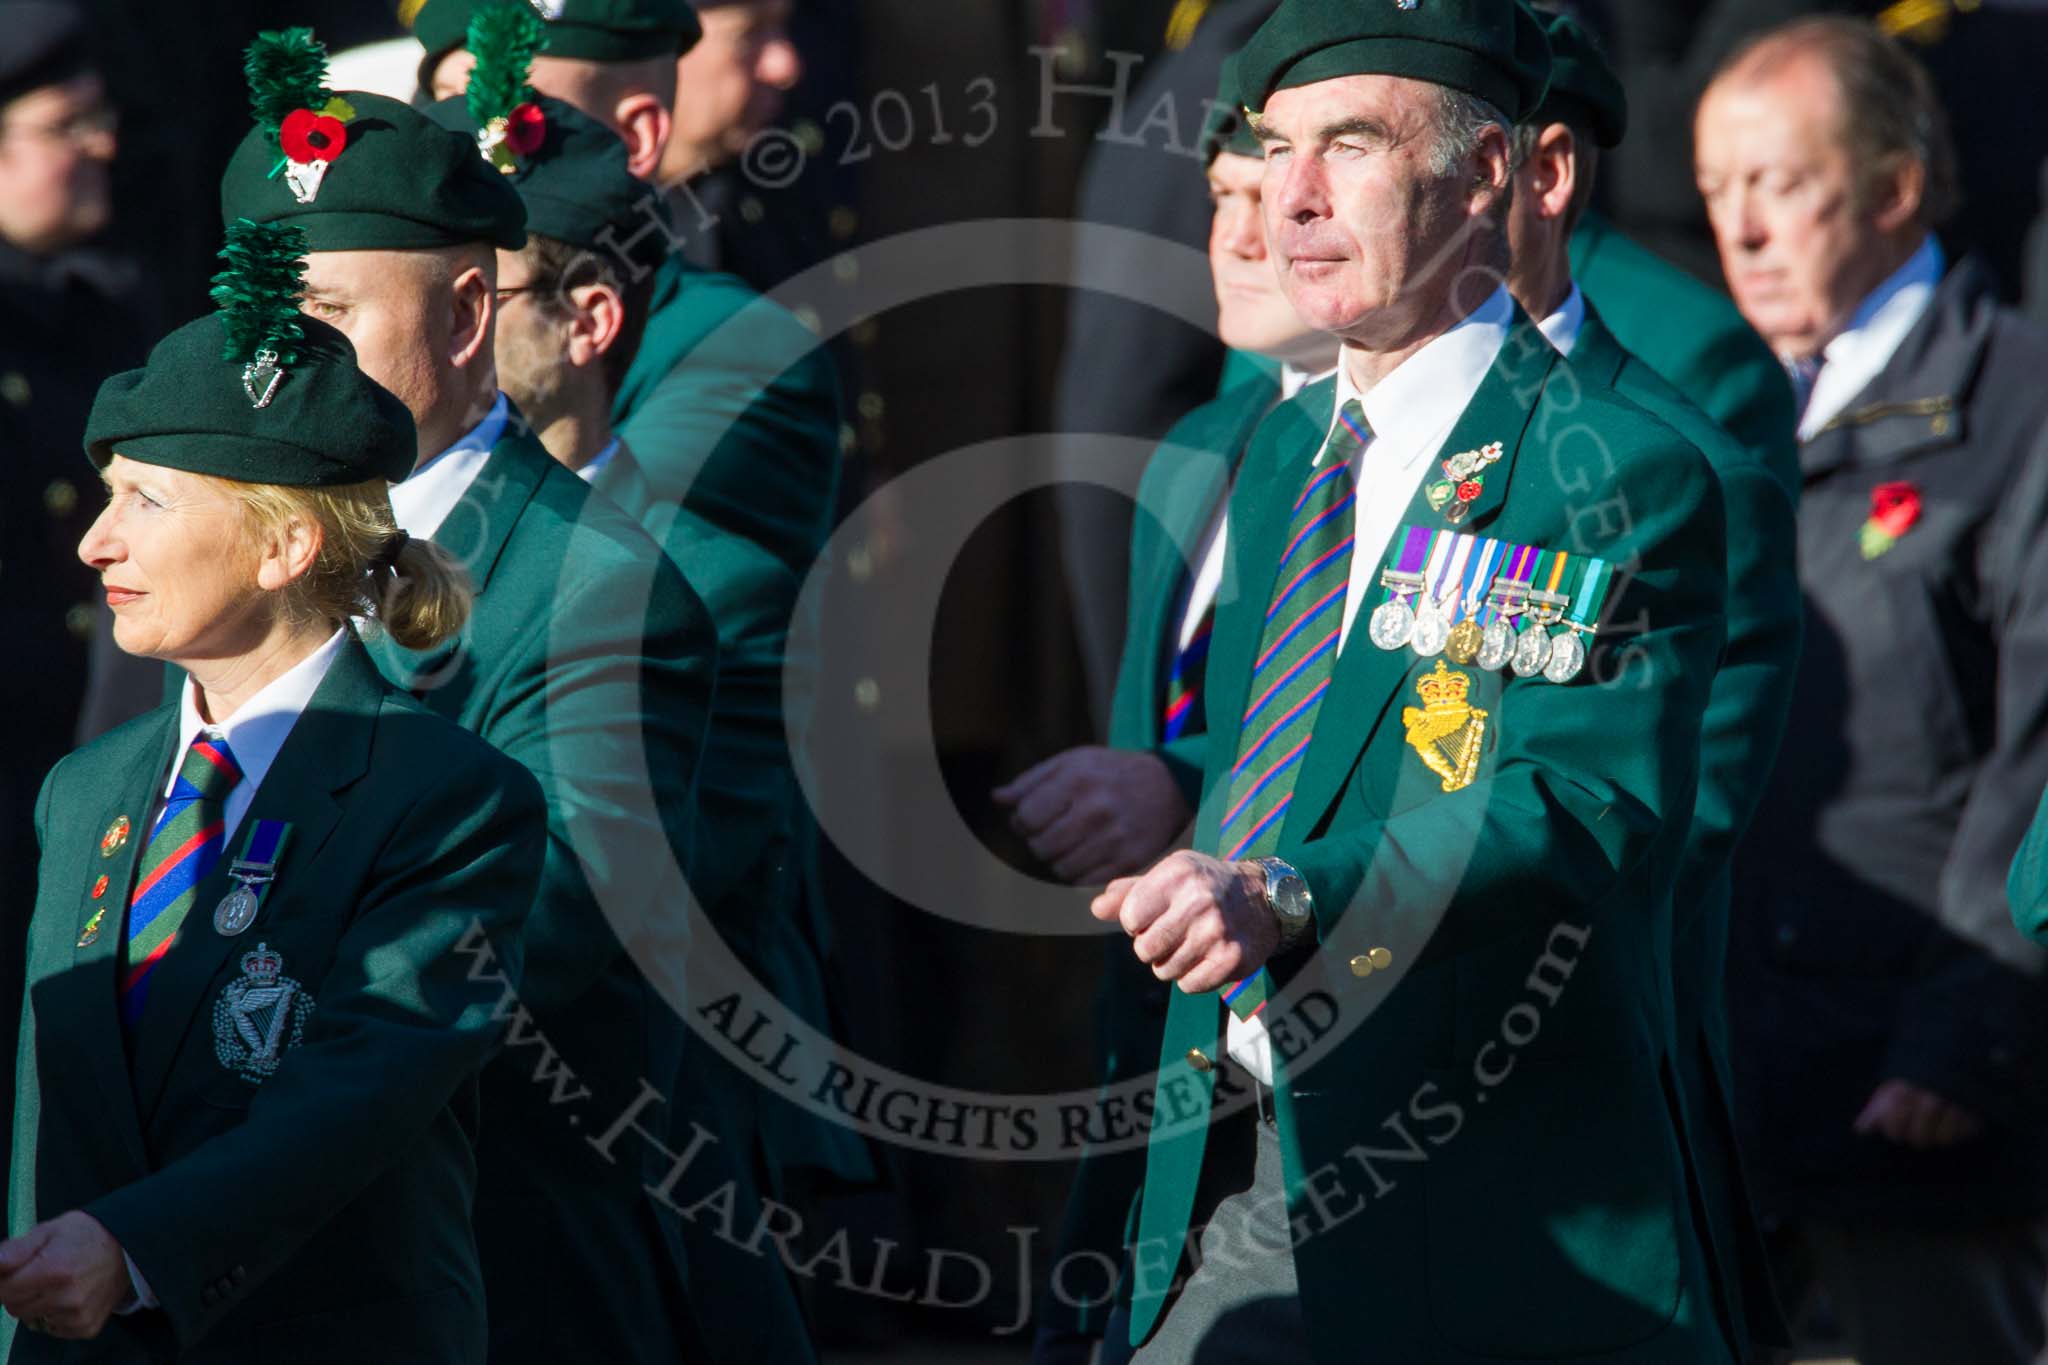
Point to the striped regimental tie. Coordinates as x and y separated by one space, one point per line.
184 846
1297 656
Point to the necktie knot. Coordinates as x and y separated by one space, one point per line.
1351 433
209 770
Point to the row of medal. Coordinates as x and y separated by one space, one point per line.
1491 603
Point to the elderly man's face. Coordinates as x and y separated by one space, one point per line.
1366 235
1798 249
55 144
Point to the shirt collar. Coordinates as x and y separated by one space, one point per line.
1882 320
1561 328
1414 407
258 728
1293 380
425 498
598 461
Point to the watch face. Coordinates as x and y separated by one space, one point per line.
1290 896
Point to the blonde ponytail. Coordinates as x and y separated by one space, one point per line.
421 595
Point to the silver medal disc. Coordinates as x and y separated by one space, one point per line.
1496 645
1391 624
1431 630
236 912
1532 651
1567 657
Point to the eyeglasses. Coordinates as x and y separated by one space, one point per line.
82 129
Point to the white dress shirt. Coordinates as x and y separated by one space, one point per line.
254 734
1873 336
426 497
1411 411
1561 329
597 463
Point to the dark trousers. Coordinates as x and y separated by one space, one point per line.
1914 1296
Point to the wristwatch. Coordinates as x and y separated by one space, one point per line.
1288 898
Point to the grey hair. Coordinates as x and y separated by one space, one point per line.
1460 118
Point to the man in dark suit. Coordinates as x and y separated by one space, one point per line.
1888 1019
589 660
1585 115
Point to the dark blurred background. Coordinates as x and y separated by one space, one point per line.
1031 615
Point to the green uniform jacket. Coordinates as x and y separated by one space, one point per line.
1691 334
1476 1137
320 1215
1746 711
590 661
731 413
1177 496
753 884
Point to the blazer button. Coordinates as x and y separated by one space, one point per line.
1380 958
1198 1060
1362 965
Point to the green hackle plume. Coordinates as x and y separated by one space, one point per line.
503 36
258 293
287 70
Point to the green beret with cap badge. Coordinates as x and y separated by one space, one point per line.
586 30
1492 50
357 171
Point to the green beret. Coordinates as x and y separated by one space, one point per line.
575 182
590 30
1584 91
400 181
1226 129
1490 49
328 423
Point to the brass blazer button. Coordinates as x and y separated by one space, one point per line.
1198 1060
1362 965
1381 958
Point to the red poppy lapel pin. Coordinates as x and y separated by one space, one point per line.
1894 508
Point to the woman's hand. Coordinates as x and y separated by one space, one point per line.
64 1277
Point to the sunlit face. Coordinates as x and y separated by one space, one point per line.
1367 238
392 306
1252 311
179 566
730 85
1796 247
55 146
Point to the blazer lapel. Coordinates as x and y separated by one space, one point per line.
1201 482
86 1007
1596 353
1367 678
328 748
475 532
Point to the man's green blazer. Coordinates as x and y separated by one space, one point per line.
733 408
1479 1151
589 661
1692 334
1178 494
1746 713
320 1214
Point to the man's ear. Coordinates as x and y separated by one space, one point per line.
470 303
1899 194
598 323
644 122
1493 171
1551 174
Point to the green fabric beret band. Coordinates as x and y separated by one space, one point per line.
1491 49
399 181
326 423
